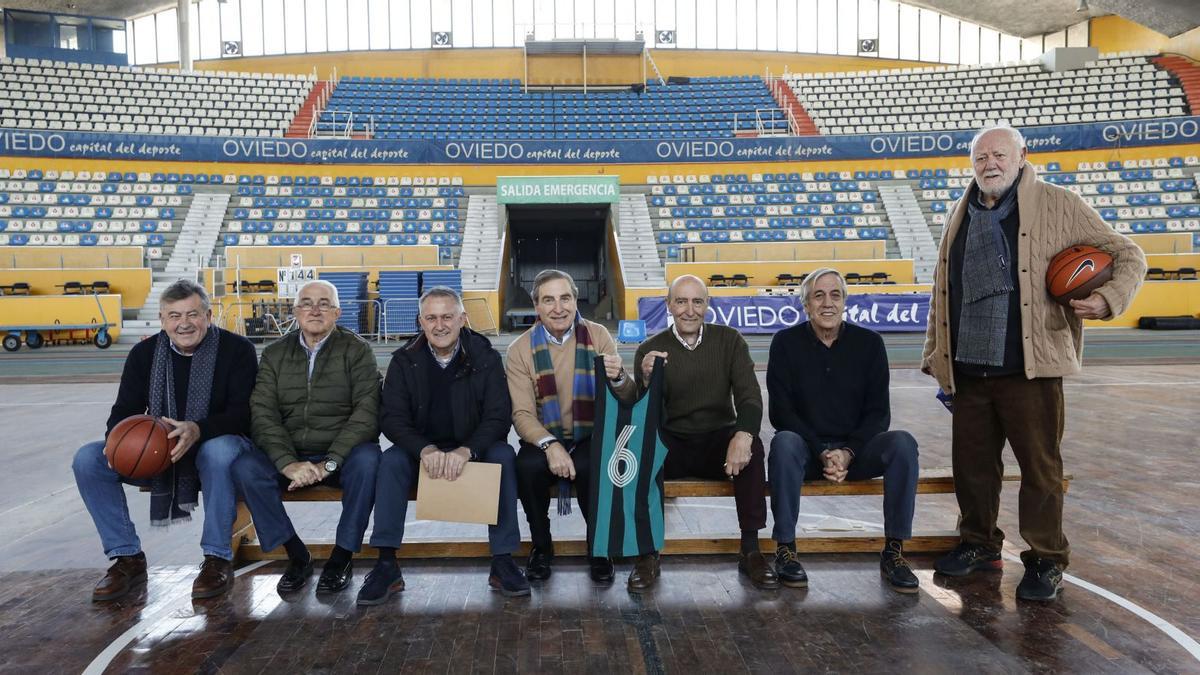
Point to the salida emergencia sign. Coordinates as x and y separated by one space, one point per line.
557 189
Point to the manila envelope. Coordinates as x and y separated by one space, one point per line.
472 498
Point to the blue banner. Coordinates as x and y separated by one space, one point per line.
758 314
85 145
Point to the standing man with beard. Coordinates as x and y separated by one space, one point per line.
1000 345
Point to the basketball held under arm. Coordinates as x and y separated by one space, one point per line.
1129 261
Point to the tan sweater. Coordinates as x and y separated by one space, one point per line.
1052 218
522 380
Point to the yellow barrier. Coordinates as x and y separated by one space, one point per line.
1173 261
131 285
78 257
1158 298
1170 242
808 250
62 309
765 273
332 256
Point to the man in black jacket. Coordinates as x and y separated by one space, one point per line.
828 385
445 403
198 379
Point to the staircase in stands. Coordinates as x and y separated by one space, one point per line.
312 108
798 118
482 245
197 239
1188 73
638 254
913 236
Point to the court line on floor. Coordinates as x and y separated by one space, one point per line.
104 658
1160 383
1181 638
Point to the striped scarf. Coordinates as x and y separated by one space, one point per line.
583 401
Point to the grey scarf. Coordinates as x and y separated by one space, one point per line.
986 283
175 493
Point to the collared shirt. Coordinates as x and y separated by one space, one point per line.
562 340
690 348
176 349
444 362
313 351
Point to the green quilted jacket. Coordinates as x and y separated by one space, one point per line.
328 414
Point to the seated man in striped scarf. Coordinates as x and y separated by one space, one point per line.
553 389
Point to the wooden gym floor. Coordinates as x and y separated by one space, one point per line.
1131 603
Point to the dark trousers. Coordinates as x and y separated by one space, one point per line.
892 454
261 484
398 473
534 481
1029 415
703 456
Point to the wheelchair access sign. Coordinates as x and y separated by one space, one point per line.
288 280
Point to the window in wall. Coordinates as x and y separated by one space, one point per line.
768 25
379 11
194 29
482 25
968 43
252 28
706 24
502 22
1010 48
422 24
565 25
606 18
1031 48
889 29
1077 35
335 25
118 37
727 25
989 46
847 27
910 33
315 35
788 39
931 34
209 46
1054 40
746 23
167 28
294 33
460 23
948 47
685 24
273 41
145 43
522 20
231 24
358 24
868 23
663 18
826 26
543 18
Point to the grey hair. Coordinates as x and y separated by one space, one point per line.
442 292
806 286
184 289
550 275
324 284
686 277
1012 132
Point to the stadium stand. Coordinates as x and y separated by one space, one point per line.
59 95
967 97
712 107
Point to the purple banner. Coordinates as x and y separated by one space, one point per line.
765 314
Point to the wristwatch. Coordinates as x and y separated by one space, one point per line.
331 465
545 445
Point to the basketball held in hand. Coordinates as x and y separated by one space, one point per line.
1076 272
138 447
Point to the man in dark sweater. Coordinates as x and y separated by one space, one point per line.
828 386
712 413
444 403
198 379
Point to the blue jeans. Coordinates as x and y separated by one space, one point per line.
398 472
260 484
102 493
892 454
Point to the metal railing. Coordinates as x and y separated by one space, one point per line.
762 122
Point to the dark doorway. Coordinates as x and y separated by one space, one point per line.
570 238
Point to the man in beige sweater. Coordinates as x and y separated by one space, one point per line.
1000 345
553 389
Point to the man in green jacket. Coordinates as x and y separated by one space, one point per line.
314 417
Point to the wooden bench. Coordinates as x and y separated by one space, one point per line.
930 481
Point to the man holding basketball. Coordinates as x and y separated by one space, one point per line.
198 379
1000 345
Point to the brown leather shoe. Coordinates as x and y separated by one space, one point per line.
215 578
126 573
646 571
755 566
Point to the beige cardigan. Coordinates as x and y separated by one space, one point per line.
522 380
1052 218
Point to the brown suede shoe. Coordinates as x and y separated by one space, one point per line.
127 573
215 578
755 566
646 571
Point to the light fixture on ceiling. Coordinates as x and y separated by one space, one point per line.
1083 6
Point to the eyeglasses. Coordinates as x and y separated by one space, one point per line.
309 305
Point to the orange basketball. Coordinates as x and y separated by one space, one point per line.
138 447
1077 271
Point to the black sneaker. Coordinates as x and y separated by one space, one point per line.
788 568
380 583
1042 581
538 568
967 558
896 569
507 578
295 576
335 577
